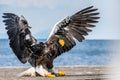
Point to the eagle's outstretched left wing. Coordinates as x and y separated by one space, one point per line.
19 35
72 27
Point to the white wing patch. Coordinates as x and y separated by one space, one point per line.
58 25
27 36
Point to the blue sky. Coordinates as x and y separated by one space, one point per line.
43 14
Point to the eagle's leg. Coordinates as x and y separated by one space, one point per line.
43 72
61 73
30 72
56 73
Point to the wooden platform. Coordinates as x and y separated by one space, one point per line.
72 73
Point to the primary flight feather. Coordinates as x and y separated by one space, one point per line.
61 39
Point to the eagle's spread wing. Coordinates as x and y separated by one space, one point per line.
18 32
72 27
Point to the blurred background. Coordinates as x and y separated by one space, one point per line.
42 15
101 47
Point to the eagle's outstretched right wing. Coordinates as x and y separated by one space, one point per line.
72 27
19 35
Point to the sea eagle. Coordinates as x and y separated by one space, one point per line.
61 39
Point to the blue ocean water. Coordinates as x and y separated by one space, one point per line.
88 52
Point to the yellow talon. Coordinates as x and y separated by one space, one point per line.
61 73
50 75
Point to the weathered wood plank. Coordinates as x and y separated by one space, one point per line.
72 73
